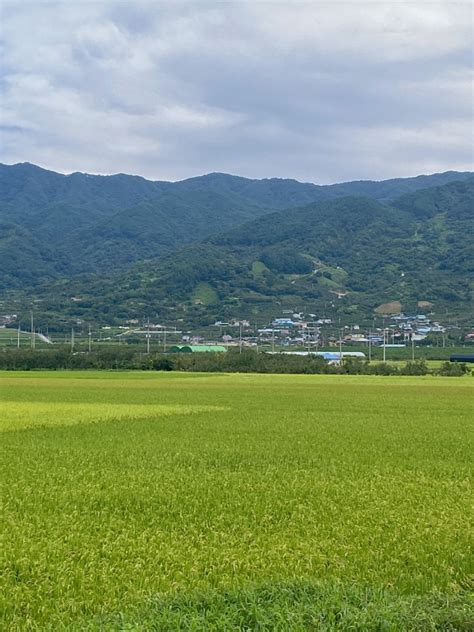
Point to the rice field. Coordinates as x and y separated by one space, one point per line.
145 501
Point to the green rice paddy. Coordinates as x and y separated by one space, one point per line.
144 501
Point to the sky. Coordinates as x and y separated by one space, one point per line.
317 91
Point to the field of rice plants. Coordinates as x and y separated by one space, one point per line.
148 501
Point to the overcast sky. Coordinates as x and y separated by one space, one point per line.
317 91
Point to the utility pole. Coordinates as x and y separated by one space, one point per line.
33 341
273 339
18 337
412 349
90 339
148 338
340 346
164 340
240 336
370 347
72 339
384 343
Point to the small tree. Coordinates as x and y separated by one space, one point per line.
383 368
417 367
355 366
453 369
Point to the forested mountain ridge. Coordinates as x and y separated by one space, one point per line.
349 254
26 188
56 225
339 257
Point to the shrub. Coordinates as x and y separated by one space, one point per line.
453 369
162 364
382 368
355 366
417 367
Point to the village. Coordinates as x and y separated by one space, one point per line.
289 332
307 332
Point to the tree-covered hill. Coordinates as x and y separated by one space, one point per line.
341 257
347 255
62 226
21 250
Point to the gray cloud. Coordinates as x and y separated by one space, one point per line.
317 91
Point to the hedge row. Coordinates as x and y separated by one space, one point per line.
230 362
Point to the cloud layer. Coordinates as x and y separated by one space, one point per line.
317 91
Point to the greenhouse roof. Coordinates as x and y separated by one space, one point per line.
197 348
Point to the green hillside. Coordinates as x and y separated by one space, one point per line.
21 250
75 224
345 256
342 257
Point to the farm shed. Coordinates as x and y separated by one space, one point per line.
197 348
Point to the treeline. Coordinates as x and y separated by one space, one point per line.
231 362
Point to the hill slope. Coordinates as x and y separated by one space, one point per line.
340 258
82 223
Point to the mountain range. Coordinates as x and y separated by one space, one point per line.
218 246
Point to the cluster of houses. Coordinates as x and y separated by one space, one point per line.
308 330
7 319
292 329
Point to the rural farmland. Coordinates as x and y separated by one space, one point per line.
145 501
